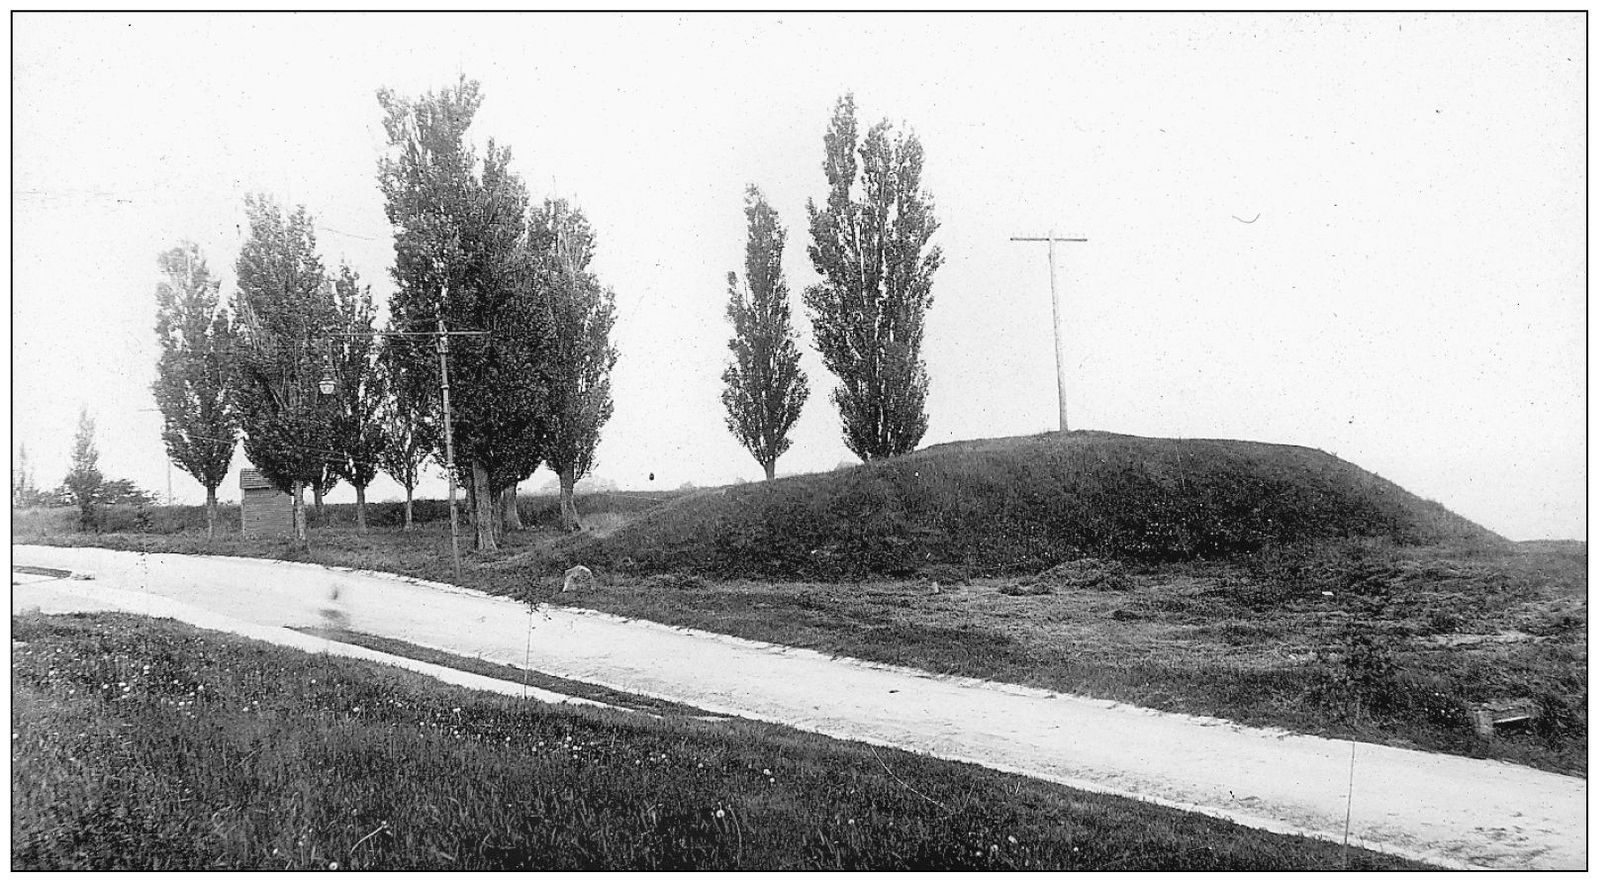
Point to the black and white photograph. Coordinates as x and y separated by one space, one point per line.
1130 441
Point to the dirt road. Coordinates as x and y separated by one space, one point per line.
1447 810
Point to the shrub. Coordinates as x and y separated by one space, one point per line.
1443 621
1362 674
1082 574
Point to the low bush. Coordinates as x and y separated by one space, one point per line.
1083 574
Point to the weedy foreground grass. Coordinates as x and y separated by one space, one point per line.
141 744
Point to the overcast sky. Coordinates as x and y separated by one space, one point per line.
1410 296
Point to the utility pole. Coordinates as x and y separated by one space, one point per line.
441 334
1053 289
448 437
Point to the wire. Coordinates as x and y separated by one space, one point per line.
328 454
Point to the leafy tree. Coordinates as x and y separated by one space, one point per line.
407 425
868 315
580 315
360 388
284 318
196 372
83 481
459 228
765 387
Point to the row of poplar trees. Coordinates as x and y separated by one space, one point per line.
868 245
471 254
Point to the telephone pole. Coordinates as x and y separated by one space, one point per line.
448 437
441 335
1053 288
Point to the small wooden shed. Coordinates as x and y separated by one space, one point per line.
265 510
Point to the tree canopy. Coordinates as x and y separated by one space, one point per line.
764 386
868 243
578 313
459 237
360 390
285 317
196 371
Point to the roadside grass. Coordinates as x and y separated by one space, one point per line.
1397 659
512 673
1298 638
141 744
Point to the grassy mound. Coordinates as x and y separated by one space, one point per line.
1022 505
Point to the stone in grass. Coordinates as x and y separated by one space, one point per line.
577 576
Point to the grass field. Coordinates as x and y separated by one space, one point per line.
141 744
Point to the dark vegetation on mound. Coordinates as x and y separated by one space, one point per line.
1022 505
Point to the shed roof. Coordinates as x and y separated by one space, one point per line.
252 478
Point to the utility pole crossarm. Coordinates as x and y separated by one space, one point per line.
1053 289
431 333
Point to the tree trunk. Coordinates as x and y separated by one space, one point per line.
512 513
299 517
569 521
358 490
483 507
767 469
409 506
212 510
319 504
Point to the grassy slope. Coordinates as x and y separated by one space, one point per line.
151 745
1015 505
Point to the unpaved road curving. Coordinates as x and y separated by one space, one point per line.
1447 810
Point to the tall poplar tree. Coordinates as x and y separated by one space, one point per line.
196 372
360 388
459 237
764 386
868 314
284 320
580 316
408 424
